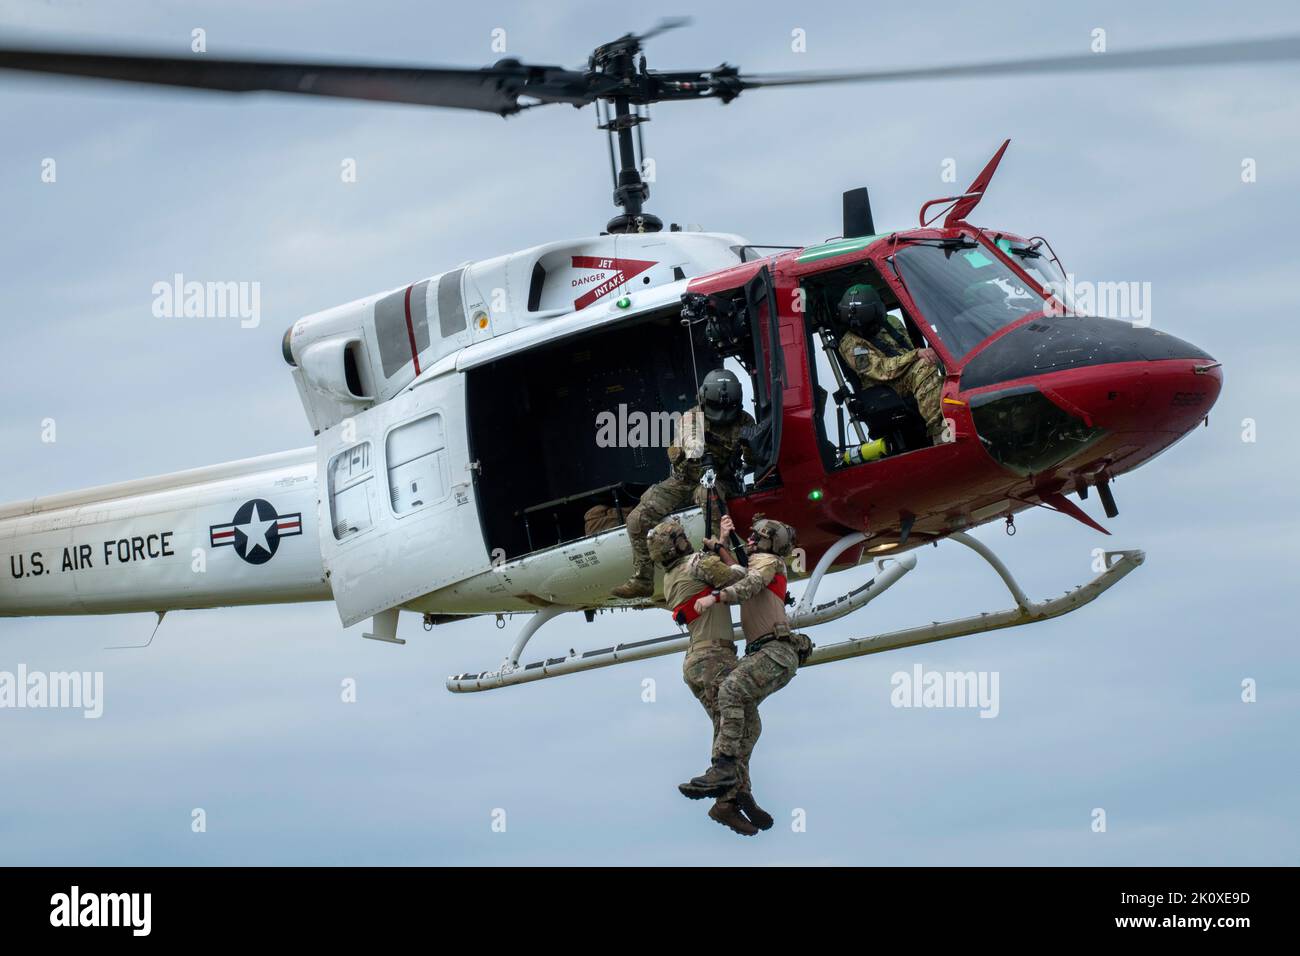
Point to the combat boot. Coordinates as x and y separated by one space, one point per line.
714 782
639 585
728 814
634 588
757 815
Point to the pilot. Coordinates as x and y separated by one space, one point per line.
773 652
711 650
723 443
876 346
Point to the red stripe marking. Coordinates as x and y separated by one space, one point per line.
224 534
410 330
625 270
289 526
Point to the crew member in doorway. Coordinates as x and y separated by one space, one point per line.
722 443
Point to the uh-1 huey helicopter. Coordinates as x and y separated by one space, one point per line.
413 496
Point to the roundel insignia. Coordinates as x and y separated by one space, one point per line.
256 531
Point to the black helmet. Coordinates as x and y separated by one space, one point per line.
720 396
861 309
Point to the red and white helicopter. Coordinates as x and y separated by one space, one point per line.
421 493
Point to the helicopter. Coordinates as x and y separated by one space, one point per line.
420 494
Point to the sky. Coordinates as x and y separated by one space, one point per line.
1133 705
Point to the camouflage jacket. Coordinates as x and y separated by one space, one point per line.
724 443
880 359
761 612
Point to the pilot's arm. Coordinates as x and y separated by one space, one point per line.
870 362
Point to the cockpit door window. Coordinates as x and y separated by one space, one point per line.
769 378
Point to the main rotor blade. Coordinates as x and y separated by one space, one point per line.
1209 54
663 26
510 86
494 89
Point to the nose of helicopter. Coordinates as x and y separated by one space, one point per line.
1074 384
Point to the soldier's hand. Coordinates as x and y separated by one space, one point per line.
727 527
704 603
927 355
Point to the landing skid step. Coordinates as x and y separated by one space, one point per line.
888 571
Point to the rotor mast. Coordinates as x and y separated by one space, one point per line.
617 61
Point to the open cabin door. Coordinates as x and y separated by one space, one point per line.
769 377
397 507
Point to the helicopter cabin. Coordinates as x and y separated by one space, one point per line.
569 366
568 434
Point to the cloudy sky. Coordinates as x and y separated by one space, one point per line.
1132 705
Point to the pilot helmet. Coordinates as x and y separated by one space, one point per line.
861 309
720 397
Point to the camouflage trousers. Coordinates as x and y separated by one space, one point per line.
659 501
923 381
704 670
755 677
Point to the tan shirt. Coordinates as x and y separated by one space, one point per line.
690 576
761 611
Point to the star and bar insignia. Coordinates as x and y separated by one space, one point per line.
256 531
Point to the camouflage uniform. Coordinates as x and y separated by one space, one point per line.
887 358
711 652
763 672
725 445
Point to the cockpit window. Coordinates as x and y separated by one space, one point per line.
1038 261
964 292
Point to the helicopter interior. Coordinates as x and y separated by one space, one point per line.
849 413
585 422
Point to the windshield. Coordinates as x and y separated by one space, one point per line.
963 292
1037 260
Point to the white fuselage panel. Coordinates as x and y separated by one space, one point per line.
245 535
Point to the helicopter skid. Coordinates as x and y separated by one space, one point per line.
1118 564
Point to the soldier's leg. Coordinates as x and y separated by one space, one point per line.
755 678
745 801
703 674
657 502
926 384
753 728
